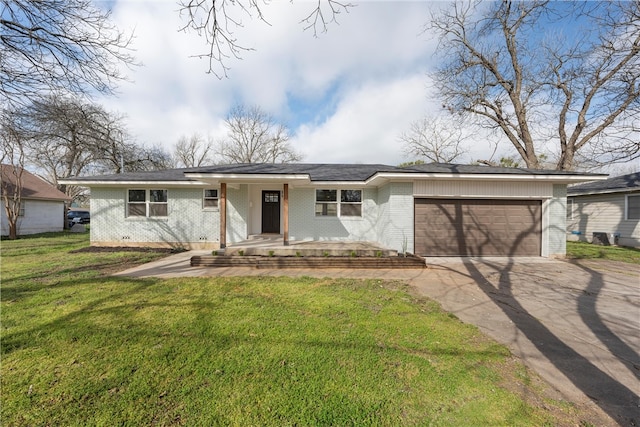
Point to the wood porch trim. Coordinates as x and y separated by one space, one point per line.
223 215
285 213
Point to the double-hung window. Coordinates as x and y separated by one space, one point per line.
350 202
343 203
326 202
210 199
633 207
147 203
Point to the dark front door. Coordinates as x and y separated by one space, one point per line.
271 212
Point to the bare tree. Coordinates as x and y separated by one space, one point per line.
255 137
67 135
194 151
577 91
58 45
70 137
436 139
12 163
218 20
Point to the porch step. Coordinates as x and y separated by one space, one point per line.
307 262
306 251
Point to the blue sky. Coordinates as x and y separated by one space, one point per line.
346 95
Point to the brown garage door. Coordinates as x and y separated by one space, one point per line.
477 227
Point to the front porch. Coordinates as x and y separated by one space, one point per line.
273 245
269 251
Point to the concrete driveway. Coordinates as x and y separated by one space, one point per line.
577 324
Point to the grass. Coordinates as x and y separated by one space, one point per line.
584 250
80 347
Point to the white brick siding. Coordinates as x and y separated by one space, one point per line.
387 217
556 223
187 223
237 214
305 225
396 223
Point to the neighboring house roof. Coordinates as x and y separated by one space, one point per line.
33 187
321 173
617 184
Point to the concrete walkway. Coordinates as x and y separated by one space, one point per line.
577 324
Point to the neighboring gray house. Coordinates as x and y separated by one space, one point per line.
42 207
432 210
611 207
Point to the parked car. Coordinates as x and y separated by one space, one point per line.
78 217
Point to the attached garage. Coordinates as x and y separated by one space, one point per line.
477 227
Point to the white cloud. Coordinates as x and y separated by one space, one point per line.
347 94
366 124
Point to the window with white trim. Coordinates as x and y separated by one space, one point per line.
350 202
343 203
210 198
326 202
147 203
633 207
569 209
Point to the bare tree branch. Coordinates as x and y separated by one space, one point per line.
255 137
434 138
58 45
194 151
218 20
578 91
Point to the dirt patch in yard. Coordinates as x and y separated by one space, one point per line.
102 249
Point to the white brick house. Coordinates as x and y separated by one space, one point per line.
428 209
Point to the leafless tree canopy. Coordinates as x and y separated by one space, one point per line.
574 87
66 137
57 45
194 151
434 138
255 137
218 20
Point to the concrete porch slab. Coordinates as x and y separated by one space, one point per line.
273 245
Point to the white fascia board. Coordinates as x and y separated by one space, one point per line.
338 184
249 178
133 183
380 178
597 192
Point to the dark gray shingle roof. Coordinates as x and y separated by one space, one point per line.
480 169
316 171
630 182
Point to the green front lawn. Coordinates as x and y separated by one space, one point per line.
82 348
584 250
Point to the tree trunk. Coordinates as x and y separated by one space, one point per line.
13 230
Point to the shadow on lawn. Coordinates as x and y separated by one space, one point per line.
24 338
614 398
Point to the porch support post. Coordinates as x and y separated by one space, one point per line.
223 215
285 213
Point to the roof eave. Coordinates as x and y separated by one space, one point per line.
99 183
249 178
382 177
606 191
